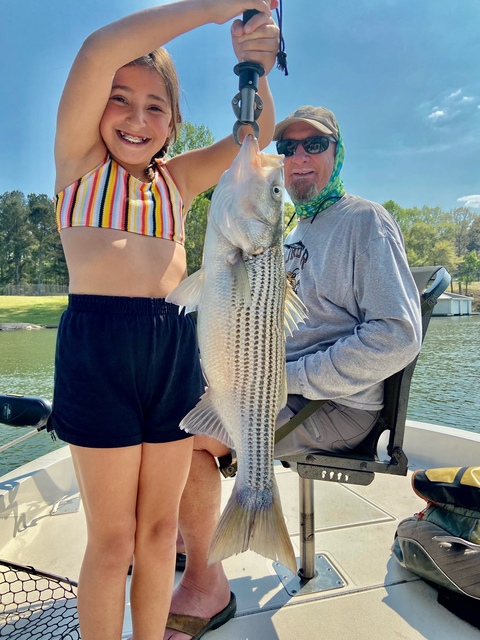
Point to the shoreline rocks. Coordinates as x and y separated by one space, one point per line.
12 326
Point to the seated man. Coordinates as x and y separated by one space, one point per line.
346 260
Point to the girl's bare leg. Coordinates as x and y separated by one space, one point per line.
163 474
108 484
131 497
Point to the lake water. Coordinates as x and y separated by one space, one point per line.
445 386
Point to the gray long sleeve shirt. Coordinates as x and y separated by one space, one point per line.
349 267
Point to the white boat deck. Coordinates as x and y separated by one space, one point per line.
42 525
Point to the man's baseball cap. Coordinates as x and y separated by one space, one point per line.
319 117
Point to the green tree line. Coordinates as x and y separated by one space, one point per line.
31 252
30 248
449 238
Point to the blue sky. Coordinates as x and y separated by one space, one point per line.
402 76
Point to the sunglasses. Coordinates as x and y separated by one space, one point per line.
313 145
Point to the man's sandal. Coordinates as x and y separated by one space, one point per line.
197 627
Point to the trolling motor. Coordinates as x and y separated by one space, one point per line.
247 104
24 411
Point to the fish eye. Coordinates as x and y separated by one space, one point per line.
277 191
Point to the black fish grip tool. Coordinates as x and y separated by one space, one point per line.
247 104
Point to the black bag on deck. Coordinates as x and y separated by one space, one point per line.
441 544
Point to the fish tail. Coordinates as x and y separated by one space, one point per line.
249 521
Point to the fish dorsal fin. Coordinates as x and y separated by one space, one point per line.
203 419
295 310
189 292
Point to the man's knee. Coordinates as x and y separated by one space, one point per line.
221 455
212 446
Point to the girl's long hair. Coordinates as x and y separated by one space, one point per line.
160 61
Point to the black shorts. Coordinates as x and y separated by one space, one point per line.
127 370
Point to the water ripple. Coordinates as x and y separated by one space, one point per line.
445 385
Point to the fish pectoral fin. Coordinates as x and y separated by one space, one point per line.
242 283
189 292
204 420
295 310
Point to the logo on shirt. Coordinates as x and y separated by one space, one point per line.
298 254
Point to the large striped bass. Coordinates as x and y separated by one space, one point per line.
245 307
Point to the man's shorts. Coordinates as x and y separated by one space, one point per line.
127 370
333 428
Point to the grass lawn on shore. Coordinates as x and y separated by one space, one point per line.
46 310
42 310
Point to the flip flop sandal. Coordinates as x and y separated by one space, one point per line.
197 627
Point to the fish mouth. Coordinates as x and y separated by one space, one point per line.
263 159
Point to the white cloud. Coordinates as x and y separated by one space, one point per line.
455 94
451 107
437 114
470 201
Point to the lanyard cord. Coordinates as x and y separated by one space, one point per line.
281 55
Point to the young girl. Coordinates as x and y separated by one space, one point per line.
127 368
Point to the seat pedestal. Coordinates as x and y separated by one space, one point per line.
315 572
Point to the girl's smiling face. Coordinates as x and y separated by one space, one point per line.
137 119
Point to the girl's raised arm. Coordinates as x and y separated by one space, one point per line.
197 170
78 145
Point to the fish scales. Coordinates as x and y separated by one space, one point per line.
244 307
254 347
259 360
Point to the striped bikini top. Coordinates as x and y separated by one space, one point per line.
109 197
